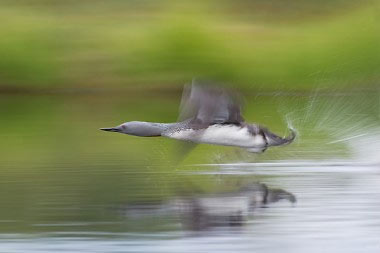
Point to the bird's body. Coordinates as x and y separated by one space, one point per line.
219 134
210 115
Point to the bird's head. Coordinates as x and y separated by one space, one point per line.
137 128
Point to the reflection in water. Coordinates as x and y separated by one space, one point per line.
197 212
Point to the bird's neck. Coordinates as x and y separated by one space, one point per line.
151 129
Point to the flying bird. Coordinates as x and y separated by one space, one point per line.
209 114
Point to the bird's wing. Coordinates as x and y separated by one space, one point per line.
182 149
204 104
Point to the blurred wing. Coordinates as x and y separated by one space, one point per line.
187 108
204 105
182 149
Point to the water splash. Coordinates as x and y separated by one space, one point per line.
334 126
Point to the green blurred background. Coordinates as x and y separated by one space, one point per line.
257 44
69 67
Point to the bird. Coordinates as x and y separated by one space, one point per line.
209 114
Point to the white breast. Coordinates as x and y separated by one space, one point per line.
228 135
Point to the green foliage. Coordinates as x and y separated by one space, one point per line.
125 43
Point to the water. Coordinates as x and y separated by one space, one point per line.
65 186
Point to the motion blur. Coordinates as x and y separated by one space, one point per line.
68 68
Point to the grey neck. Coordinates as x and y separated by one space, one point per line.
146 129
156 129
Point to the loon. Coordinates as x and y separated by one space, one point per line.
212 115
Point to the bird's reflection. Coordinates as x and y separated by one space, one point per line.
203 211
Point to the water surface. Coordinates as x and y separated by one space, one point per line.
66 186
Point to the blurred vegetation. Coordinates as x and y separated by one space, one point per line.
256 44
57 166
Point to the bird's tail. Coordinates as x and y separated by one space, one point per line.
275 140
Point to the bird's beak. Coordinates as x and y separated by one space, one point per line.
111 129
